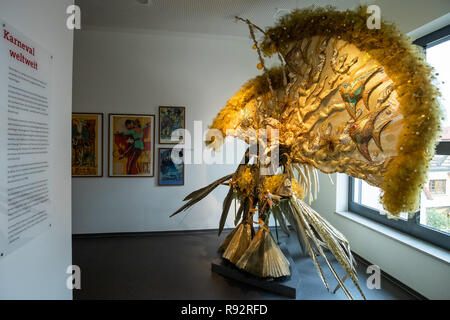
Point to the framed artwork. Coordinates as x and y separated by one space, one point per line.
87 145
171 119
170 171
131 145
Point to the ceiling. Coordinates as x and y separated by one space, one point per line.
192 16
217 16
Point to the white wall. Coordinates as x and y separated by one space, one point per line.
37 270
136 72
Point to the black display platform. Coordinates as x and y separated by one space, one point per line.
285 286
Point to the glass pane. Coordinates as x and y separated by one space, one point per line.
437 56
369 196
435 197
435 201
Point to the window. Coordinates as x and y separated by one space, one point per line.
436 187
432 221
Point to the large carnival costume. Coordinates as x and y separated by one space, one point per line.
345 99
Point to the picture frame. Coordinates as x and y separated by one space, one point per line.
170 173
170 119
131 145
87 145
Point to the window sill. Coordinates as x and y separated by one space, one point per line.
417 244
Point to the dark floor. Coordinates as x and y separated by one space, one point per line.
178 266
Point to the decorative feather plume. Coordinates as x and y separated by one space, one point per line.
279 217
208 189
241 213
317 234
238 243
225 209
198 195
263 258
227 240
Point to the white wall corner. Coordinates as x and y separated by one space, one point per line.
341 192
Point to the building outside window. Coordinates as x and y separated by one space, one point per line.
436 186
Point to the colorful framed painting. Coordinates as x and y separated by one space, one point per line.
171 119
170 167
131 145
87 145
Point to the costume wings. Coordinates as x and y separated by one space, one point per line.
347 99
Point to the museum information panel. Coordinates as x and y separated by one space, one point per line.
25 94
